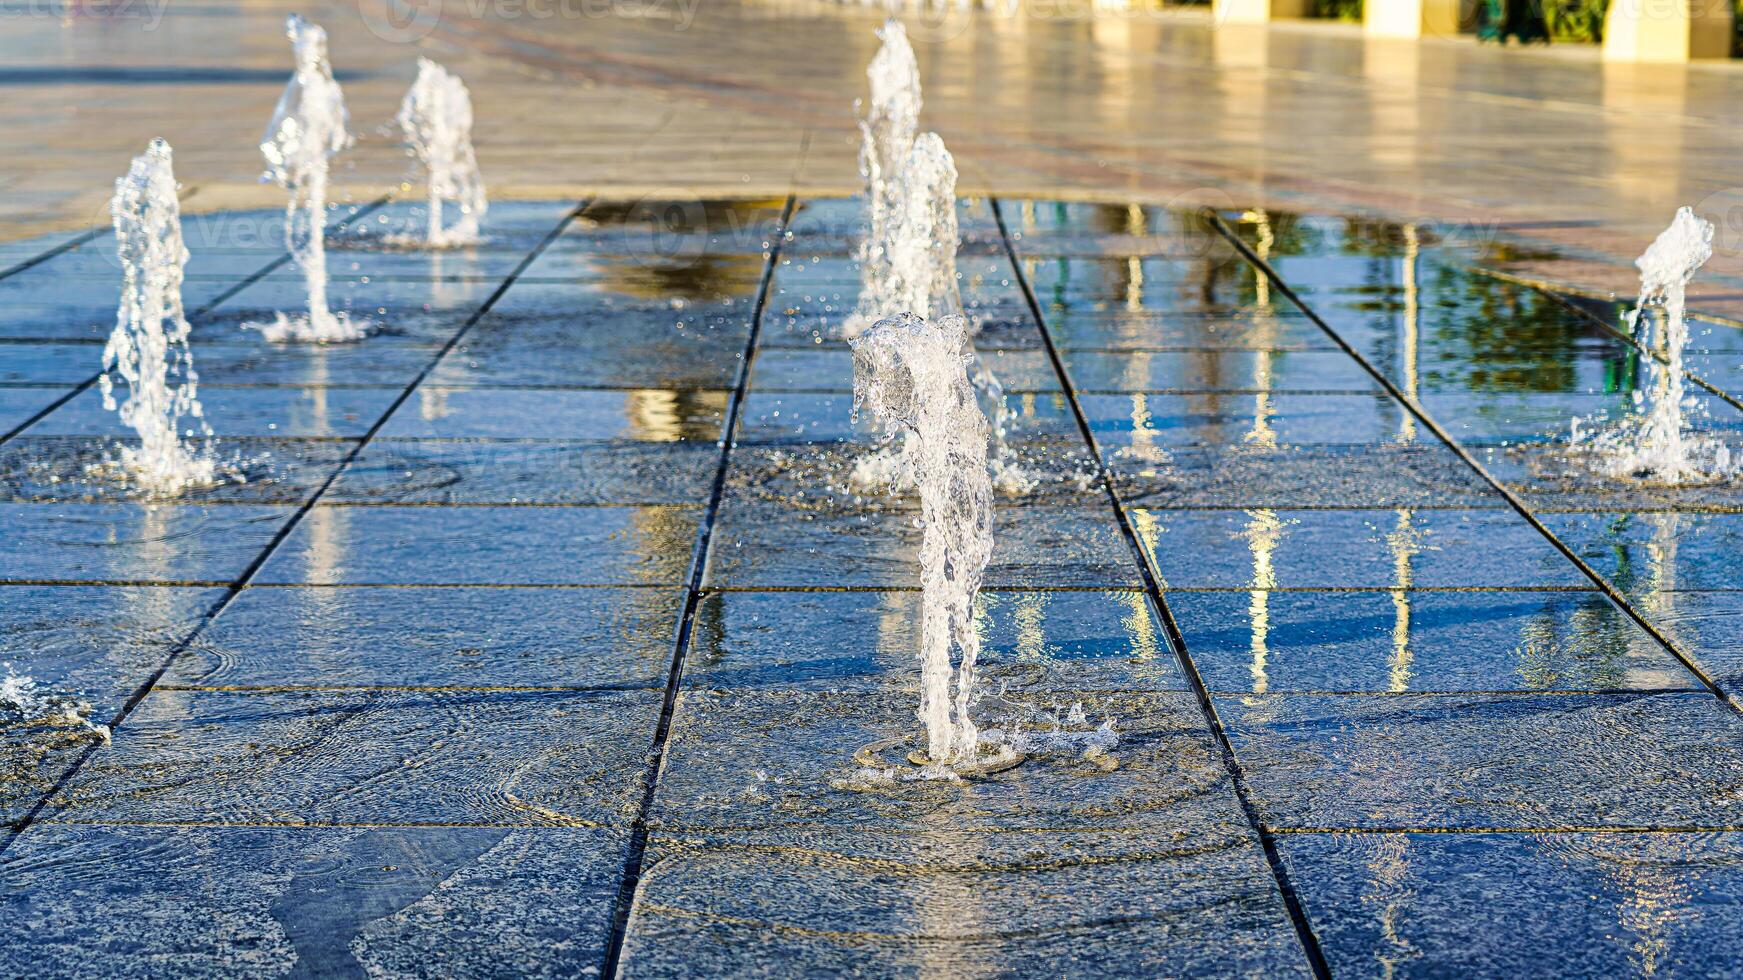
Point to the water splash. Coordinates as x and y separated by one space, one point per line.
23 700
149 347
436 118
1654 442
911 374
306 130
887 132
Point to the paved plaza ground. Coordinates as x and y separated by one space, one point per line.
545 628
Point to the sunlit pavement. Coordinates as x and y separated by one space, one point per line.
681 98
502 661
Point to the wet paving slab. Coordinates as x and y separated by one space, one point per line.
615 471
331 901
305 413
1404 640
1254 476
134 542
86 469
1462 762
494 758
478 545
960 902
759 545
1064 640
1425 904
1281 548
321 638
414 728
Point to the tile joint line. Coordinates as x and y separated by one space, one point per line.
636 849
1152 590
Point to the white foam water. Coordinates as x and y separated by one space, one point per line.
436 119
912 269
887 131
25 700
148 349
911 374
306 130
1654 442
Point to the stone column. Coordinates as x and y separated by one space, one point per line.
1257 11
1411 19
1667 30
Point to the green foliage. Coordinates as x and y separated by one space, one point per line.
1576 21
1339 9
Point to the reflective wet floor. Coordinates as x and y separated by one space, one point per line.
543 634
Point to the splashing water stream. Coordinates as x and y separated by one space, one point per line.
887 132
1654 443
912 375
436 118
306 130
908 258
149 346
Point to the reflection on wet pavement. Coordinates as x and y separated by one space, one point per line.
399 696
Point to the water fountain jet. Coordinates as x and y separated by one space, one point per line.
436 119
1654 443
307 129
149 346
912 375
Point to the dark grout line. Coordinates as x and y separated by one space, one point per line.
63 247
1568 829
1632 693
90 382
636 852
241 583
1152 589
1616 596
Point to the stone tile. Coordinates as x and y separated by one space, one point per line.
133 542
511 759
384 300
673 349
1220 330
1218 370
49 364
418 545
965 903
772 760
650 415
1125 424
831 369
1643 554
1264 548
1553 476
1279 642
95 643
760 545
430 637
869 641
1057 471
82 468
245 359
18 405
607 472
1491 418
321 413
34 757
1705 626
1381 475
1574 904
1473 761
203 901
